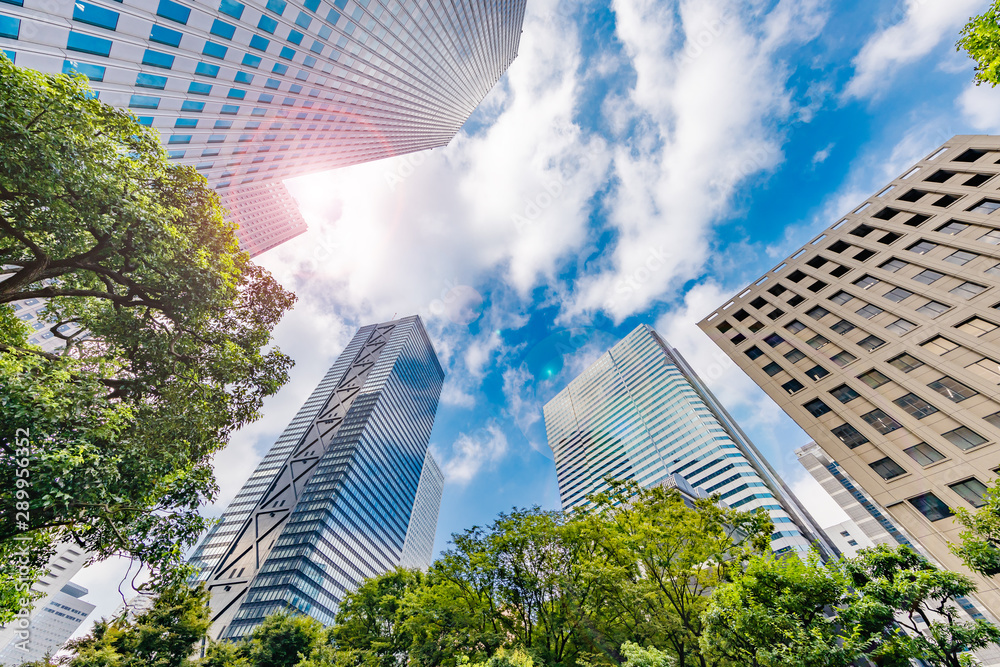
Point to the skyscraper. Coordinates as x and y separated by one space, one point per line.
641 413
347 492
56 620
881 338
251 92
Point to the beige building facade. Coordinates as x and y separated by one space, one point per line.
881 339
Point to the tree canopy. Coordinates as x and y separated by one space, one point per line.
981 40
647 580
166 323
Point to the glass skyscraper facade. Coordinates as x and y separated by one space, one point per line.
254 91
641 413
347 492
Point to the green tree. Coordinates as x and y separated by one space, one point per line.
166 324
637 656
508 658
898 581
283 640
981 40
371 619
163 636
773 615
980 547
661 558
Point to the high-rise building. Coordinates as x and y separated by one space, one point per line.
881 338
347 492
64 564
56 621
254 91
641 413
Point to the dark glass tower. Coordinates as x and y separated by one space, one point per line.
348 491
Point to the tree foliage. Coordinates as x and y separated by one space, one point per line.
980 546
166 325
981 40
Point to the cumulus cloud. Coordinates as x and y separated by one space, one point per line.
980 105
471 453
697 132
924 24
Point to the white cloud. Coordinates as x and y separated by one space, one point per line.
980 105
821 155
923 26
471 453
701 132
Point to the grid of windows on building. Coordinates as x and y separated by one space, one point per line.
906 286
348 491
255 91
641 413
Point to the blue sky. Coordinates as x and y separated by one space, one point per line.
640 162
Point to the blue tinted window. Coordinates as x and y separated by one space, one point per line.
243 77
188 105
251 61
17 3
339 4
12 55
295 37
287 53
165 36
222 125
245 137
267 24
288 102
213 50
92 72
303 20
210 152
146 120
265 98
259 43
180 139
231 7
157 59
302 75
279 68
230 109
84 12
254 124
296 88
207 70
208 165
173 11
311 5
144 102
196 88
77 41
272 84
276 6
317 46
324 31
258 111
175 155
309 61
237 93
144 80
186 122
333 16
223 29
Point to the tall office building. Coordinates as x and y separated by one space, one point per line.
56 621
880 338
251 92
641 413
347 492
64 564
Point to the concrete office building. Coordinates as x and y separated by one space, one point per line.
347 492
254 91
880 338
54 623
641 413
